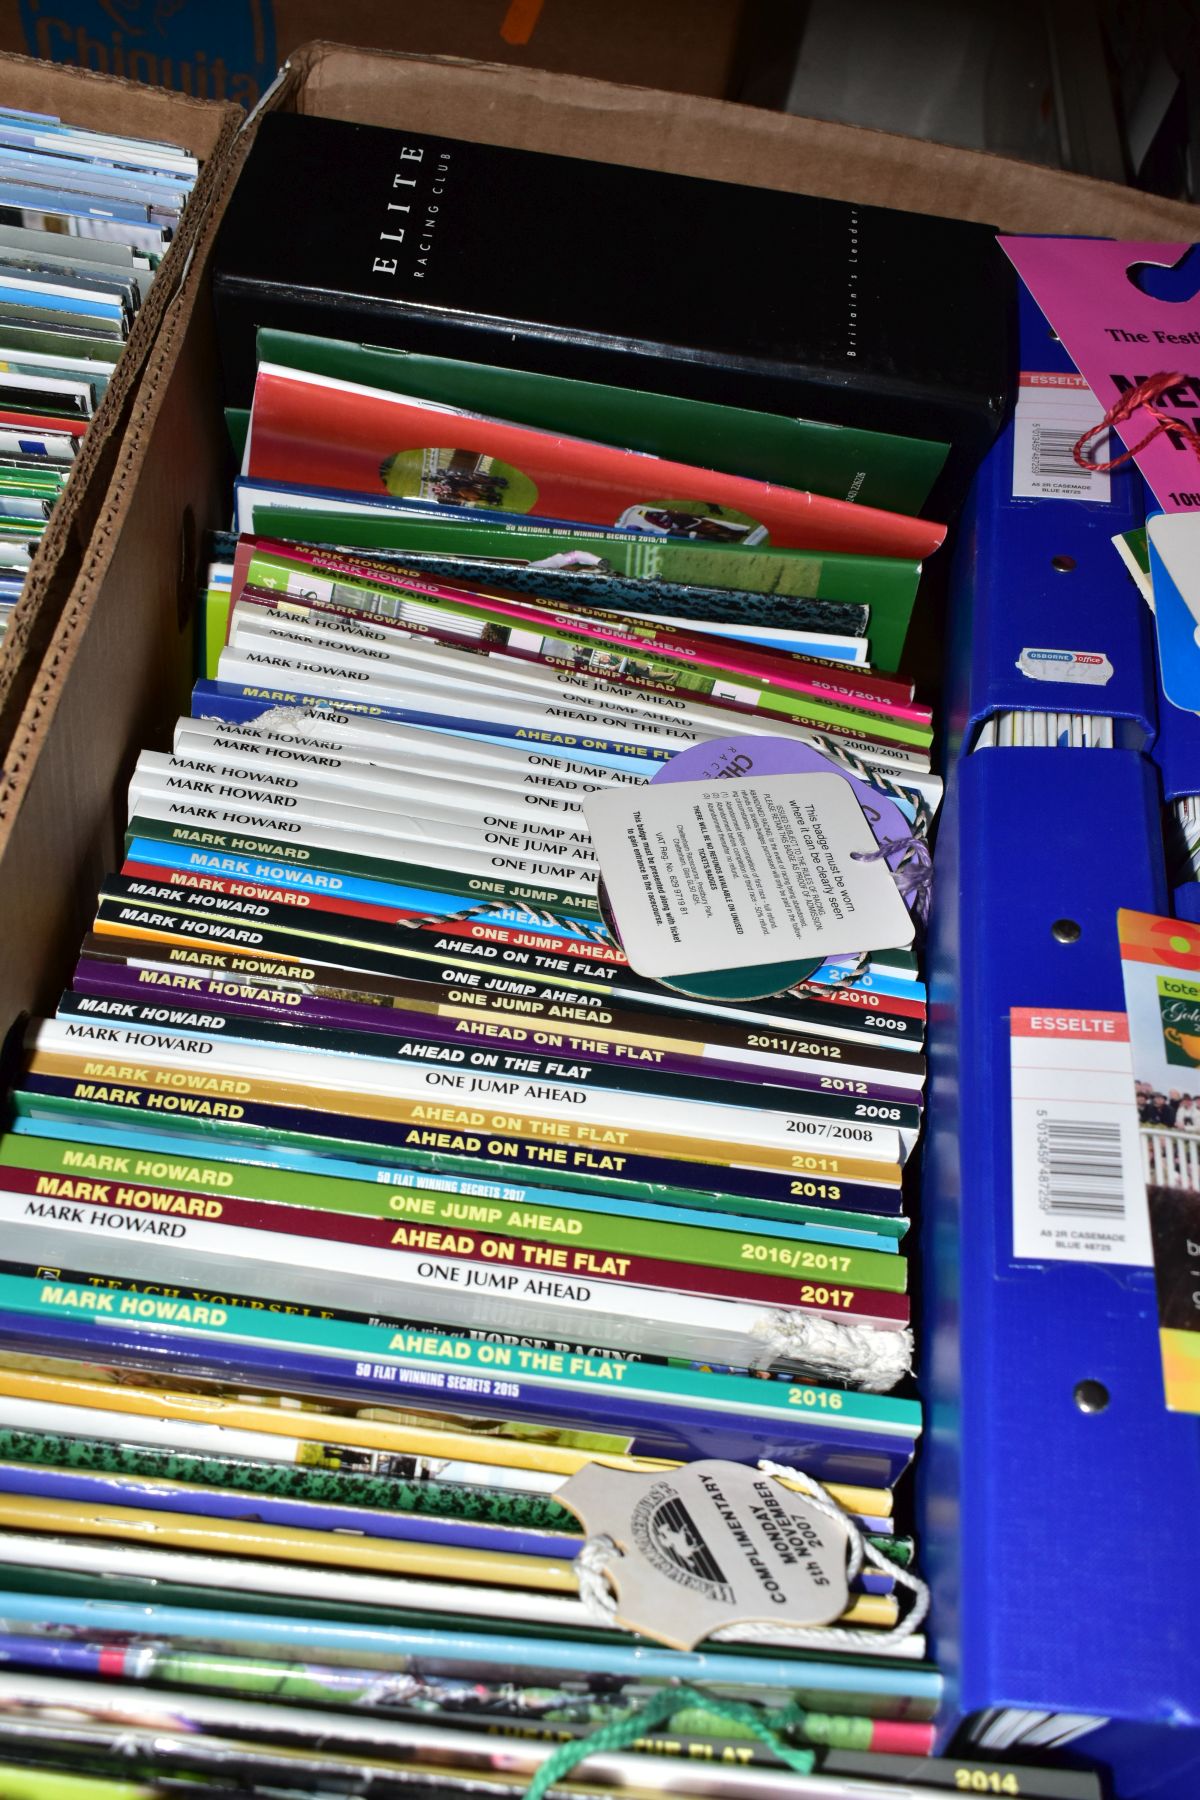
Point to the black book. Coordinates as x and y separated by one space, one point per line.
967 1774
853 315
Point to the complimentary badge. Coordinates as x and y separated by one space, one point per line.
711 1545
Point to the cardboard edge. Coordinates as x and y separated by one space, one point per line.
812 156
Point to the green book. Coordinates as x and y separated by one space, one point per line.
381 1161
237 424
887 586
872 468
286 575
61 341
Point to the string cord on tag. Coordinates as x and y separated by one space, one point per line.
618 1734
913 871
913 874
598 1554
1145 393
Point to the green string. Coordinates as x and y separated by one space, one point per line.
618 1734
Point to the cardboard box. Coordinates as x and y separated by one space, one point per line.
118 671
101 103
230 49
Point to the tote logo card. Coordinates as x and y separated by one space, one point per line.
709 1545
1160 960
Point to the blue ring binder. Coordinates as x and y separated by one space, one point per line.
1036 1515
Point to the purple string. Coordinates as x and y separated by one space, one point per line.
913 876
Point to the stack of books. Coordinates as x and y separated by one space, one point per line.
388 1263
85 219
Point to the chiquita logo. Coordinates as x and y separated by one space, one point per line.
211 52
669 1538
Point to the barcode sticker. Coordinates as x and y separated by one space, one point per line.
1053 412
1077 1189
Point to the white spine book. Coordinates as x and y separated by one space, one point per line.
697 1124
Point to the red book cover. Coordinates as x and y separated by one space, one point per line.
40 422
312 431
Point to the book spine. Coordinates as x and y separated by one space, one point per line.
214 1532
459 1158
260 925
369 1221
79 1053
459 1277
539 1220
242 698
296 571
274 563
554 815
615 732
469 847
411 1095
250 677
442 1354
324 1483
339 1029
325 824
78 1394
837 1065
336 740
448 1142
326 639
709 1048
825 1445
416 912
219 1559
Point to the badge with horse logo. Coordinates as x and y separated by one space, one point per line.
711 1545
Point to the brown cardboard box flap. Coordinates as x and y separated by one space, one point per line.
690 135
117 670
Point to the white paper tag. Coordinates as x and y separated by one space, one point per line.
1173 542
709 1545
1077 1189
1053 412
712 875
1088 668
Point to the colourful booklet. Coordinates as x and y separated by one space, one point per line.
321 433
588 565
1160 960
873 468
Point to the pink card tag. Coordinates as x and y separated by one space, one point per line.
1106 302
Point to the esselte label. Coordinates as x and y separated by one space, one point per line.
1088 668
1053 412
1077 1190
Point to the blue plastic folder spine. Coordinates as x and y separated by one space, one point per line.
1027 1505
1037 582
1177 748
